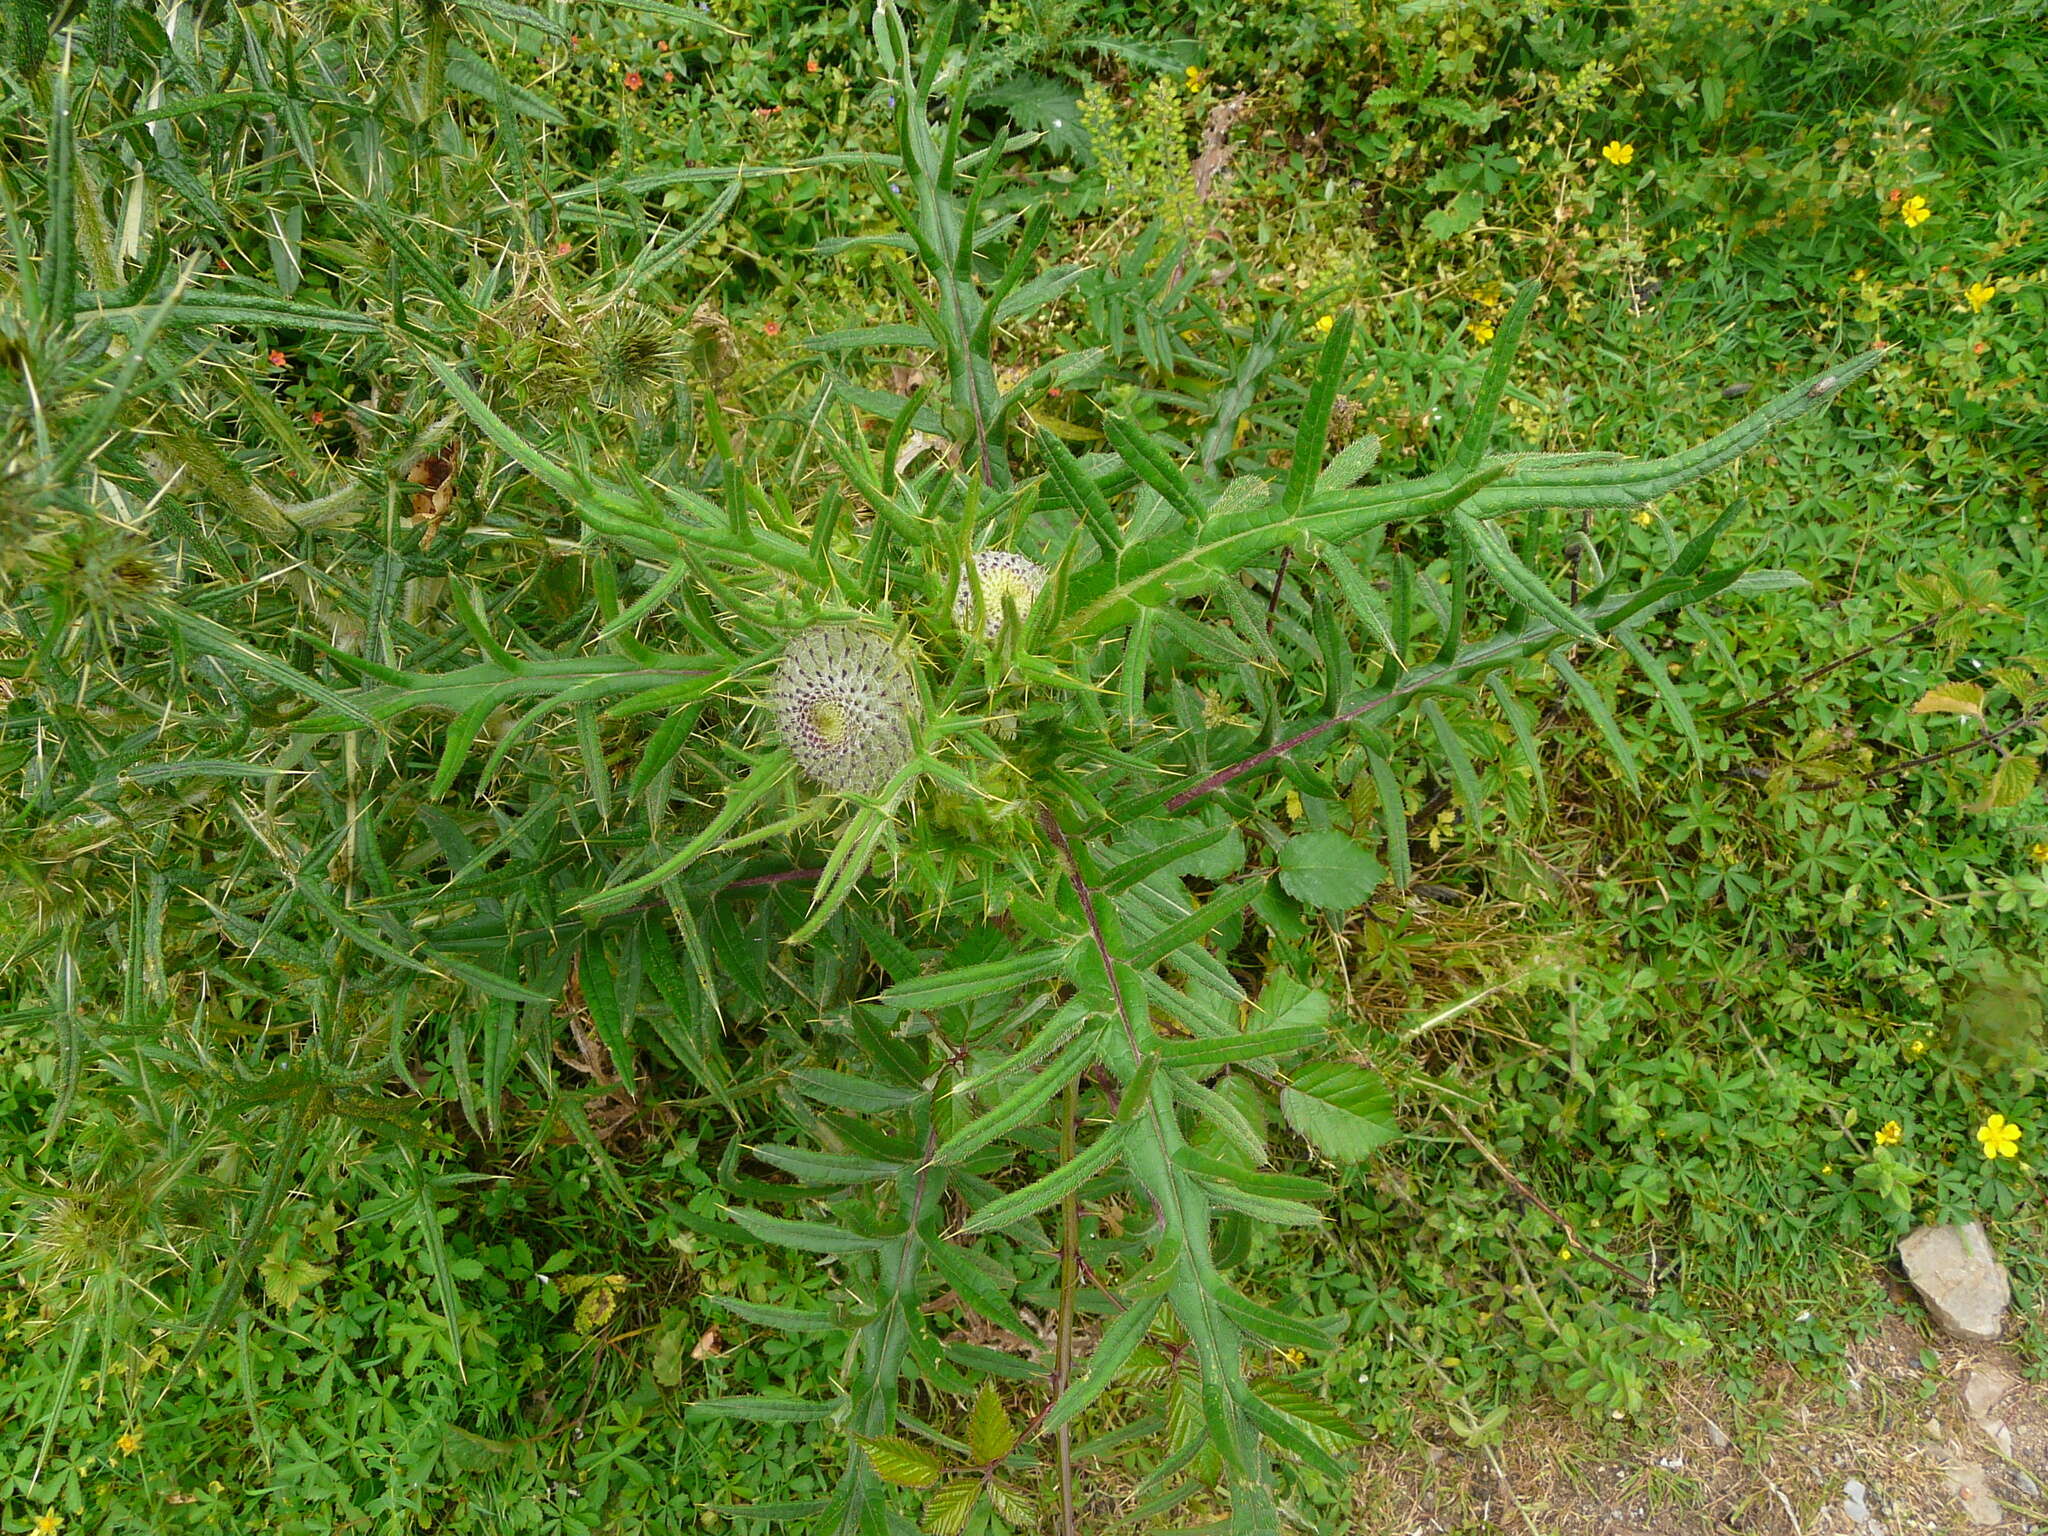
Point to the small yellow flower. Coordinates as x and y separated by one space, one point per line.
1564 1253
1482 330
1978 295
49 1523
1917 1046
1325 325
129 1443
1915 212
1644 518
1614 152
2038 853
1293 1356
1827 1168
1999 1137
1889 1134
1197 78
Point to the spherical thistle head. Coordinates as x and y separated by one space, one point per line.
107 570
636 352
1007 581
844 702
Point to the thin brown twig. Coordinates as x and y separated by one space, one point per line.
1840 661
2031 717
1279 582
1515 1182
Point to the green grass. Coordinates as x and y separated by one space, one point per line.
474 1246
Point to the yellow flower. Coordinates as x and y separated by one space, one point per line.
1978 295
1325 325
1917 1046
1915 212
1889 1134
1644 518
1617 153
49 1523
129 1443
1565 1252
1197 78
1827 1168
1999 1137
1482 330
2039 853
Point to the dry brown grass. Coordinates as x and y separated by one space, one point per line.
1775 1464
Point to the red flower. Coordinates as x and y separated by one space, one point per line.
319 417
633 81
276 358
811 66
772 328
563 247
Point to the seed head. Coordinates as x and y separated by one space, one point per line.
844 702
1006 579
106 569
636 352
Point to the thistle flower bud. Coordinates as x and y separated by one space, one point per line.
1006 578
844 702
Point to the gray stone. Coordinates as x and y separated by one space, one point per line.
1960 1279
1968 1482
1984 1389
1856 1502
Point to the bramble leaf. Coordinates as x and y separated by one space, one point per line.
1343 1110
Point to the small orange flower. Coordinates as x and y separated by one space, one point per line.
563 247
633 80
276 358
811 65
772 328
317 416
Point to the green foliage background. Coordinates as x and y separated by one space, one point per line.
357 1225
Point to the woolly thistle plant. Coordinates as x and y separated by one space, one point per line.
1033 1013
844 704
1008 582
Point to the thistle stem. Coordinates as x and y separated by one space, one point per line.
1070 1275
